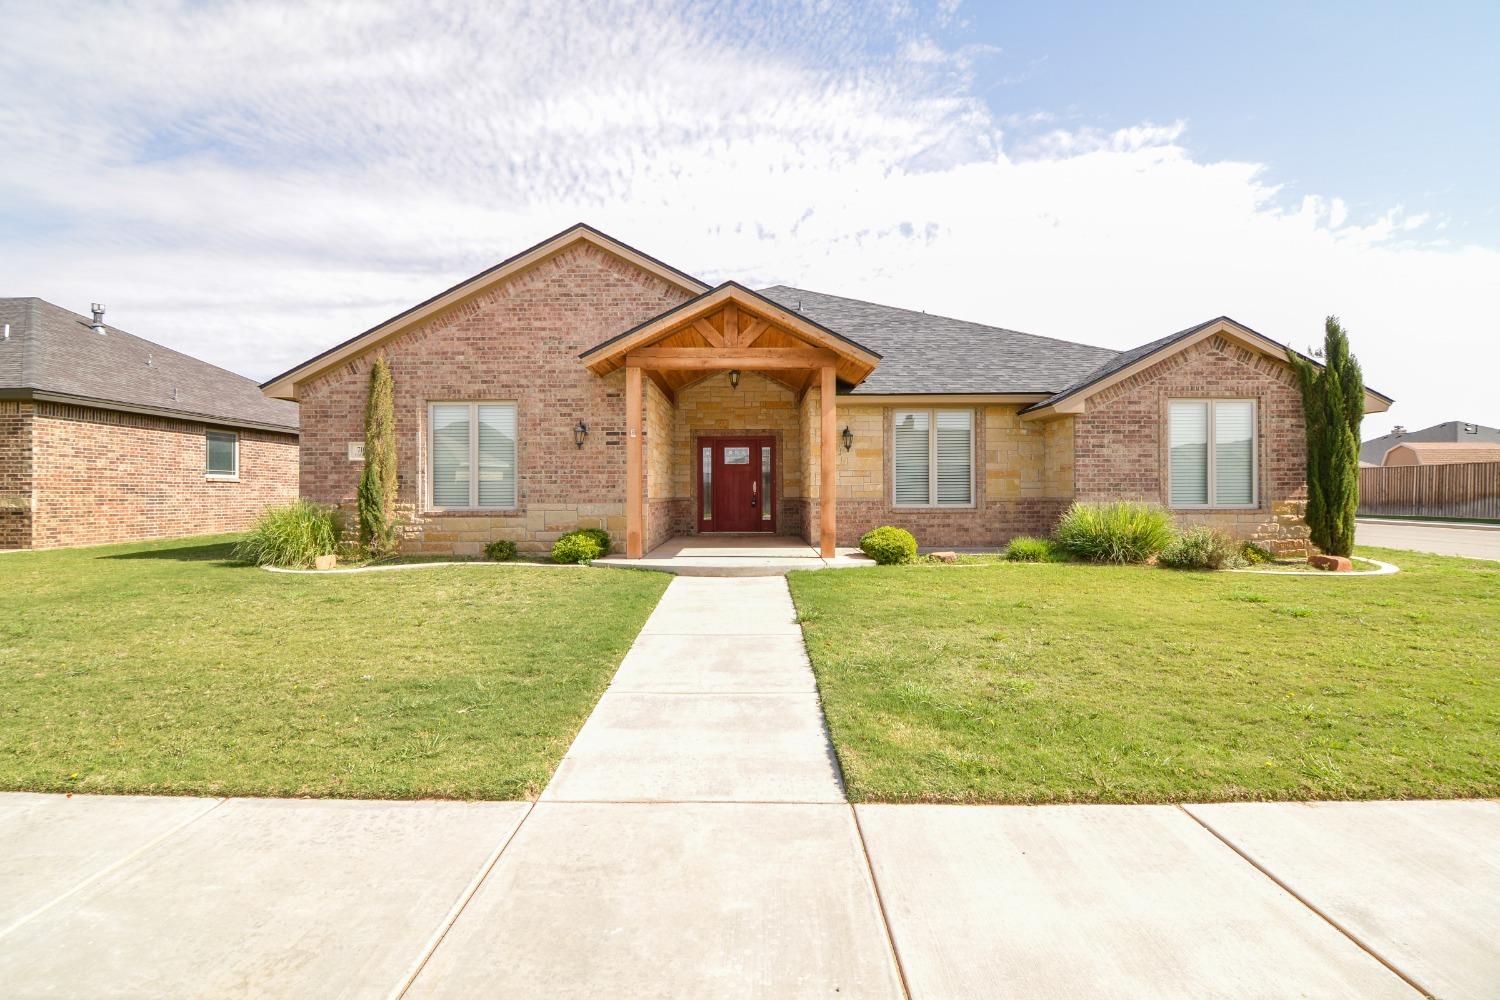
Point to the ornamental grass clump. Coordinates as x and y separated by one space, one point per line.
1032 550
1201 547
292 536
1119 532
889 546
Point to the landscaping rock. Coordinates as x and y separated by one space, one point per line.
1334 564
946 557
325 562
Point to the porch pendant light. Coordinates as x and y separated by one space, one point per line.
734 378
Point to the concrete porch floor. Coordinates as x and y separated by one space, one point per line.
736 555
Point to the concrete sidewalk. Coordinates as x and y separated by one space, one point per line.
695 842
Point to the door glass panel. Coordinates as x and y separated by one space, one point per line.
708 484
736 456
765 483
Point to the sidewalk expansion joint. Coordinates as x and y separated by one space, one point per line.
1357 941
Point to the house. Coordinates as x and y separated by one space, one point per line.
1442 452
1374 450
106 437
583 382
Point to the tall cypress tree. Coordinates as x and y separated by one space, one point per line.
1333 405
377 483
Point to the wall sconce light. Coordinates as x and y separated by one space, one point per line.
848 437
734 378
580 431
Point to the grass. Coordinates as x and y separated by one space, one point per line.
161 667
1076 683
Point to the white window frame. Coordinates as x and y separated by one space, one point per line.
222 477
932 483
427 450
1213 474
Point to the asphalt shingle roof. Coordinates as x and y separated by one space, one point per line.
925 354
52 350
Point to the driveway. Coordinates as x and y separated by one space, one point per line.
695 842
1474 541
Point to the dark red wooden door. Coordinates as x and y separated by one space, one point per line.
736 484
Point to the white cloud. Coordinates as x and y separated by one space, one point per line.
255 181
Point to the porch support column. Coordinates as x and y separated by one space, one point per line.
829 485
635 539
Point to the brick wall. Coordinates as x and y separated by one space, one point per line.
15 474
102 476
519 342
1122 445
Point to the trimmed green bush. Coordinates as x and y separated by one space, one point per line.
889 546
377 481
578 547
291 536
500 550
1200 547
1255 555
1119 532
1033 550
601 536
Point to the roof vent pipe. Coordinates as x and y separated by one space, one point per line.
98 324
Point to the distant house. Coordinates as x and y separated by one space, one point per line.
1373 451
1442 453
106 437
585 383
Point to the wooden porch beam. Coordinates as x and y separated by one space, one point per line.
663 385
635 539
732 325
750 332
707 358
828 487
707 332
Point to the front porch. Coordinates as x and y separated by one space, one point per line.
737 555
731 422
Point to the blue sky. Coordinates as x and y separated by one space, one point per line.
1383 103
255 181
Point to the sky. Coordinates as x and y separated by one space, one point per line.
254 182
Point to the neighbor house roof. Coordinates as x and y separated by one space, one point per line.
54 354
1373 450
924 354
1447 452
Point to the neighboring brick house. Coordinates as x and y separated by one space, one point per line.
105 437
584 383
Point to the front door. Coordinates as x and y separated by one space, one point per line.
736 484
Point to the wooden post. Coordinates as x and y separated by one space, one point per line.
635 540
829 487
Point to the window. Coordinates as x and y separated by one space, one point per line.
222 455
473 456
1212 452
934 458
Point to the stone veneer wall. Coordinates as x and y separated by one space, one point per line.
519 342
1122 445
104 476
15 473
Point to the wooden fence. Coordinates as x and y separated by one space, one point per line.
1467 490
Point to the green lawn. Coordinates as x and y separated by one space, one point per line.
1070 683
161 667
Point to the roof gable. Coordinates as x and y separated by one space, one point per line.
284 386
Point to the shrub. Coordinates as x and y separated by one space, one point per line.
577 547
1255 555
889 546
500 550
1200 547
292 536
1118 532
1032 550
601 536
378 482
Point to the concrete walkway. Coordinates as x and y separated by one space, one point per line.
738 555
695 842
1444 539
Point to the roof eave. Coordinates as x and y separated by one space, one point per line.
69 399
